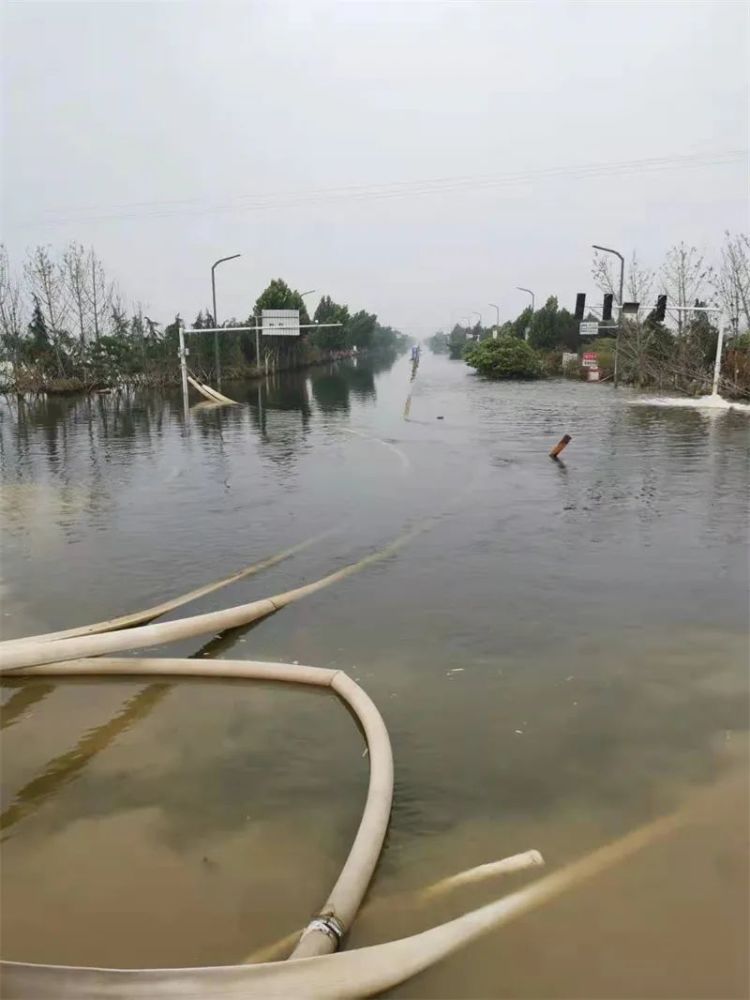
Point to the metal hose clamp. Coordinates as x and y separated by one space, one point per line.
327 924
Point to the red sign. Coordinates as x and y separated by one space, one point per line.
589 359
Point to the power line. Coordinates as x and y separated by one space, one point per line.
355 189
399 189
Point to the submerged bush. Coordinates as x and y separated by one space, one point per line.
506 357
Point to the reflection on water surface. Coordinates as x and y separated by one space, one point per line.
562 656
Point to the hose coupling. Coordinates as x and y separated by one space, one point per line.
328 924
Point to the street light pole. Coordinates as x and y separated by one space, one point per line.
533 306
497 318
616 253
217 358
311 291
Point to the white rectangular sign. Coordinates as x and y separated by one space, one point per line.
590 360
588 329
280 322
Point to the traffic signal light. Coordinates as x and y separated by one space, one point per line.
660 312
607 308
580 305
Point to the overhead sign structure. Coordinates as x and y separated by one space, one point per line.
280 322
590 328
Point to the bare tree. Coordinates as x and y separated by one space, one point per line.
687 278
640 282
118 313
47 285
11 307
732 281
602 271
100 293
76 274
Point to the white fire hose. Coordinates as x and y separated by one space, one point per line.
311 971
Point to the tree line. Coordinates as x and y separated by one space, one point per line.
64 325
672 352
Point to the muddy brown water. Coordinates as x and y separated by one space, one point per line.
561 657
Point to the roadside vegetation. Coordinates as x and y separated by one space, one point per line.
676 354
65 327
505 358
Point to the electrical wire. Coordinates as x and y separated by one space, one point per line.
415 188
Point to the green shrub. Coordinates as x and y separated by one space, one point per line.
552 363
506 357
605 355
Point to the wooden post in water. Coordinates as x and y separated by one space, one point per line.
560 446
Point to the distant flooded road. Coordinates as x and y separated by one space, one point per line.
560 656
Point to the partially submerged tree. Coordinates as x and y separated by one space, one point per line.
505 358
552 327
37 345
278 295
361 328
331 338
47 287
11 310
100 292
76 277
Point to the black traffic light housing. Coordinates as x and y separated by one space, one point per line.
607 308
580 305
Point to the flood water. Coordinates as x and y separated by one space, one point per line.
559 656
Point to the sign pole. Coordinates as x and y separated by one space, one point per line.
717 361
617 352
615 379
183 368
257 344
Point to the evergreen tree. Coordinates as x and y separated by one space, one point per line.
331 338
361 329
278 295
38 334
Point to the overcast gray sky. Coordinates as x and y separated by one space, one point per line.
305 136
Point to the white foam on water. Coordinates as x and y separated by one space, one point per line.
713 402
